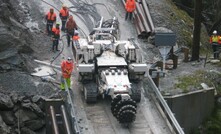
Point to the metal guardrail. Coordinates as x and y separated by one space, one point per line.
70 105
176 128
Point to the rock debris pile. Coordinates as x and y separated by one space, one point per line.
22 114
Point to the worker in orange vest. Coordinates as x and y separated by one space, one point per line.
67 67
76 38
64 13
130 6
71 26
51 19
55 37
214 41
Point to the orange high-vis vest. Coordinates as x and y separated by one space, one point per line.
64 13
76 37
130 5
56 31
51 17
67 69
219 41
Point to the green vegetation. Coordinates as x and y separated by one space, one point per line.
193 81
212 125
185 28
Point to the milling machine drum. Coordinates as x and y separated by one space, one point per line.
123 109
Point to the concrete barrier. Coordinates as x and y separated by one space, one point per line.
192 108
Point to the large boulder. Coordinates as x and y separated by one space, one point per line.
4 129
34 108
25 115
26 130
35 124
8 117
5 102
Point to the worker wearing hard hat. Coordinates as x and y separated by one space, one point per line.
214 41
51 19
76 38
130 6
67 68
64 13
55 37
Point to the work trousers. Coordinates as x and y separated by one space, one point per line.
77 44
63 24
68 81
69 38
216 52
55 45
49 26
130 14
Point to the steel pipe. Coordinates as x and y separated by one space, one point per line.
147 13
54 121
65 120
142 17
139 26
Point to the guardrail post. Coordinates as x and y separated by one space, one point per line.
155 75
175 61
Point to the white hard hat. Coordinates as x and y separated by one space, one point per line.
69 58
76 32
214 32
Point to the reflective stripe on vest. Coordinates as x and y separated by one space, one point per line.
215 38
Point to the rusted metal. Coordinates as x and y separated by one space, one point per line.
185 50
54 121
139 25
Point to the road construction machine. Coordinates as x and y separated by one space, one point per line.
107 66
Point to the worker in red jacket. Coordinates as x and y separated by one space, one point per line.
51 19
55 37
64 13
130 6
71 26
67 67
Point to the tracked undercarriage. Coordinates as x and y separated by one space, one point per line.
110 67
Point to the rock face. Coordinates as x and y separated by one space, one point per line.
14 38
5 102
4 129
24 112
